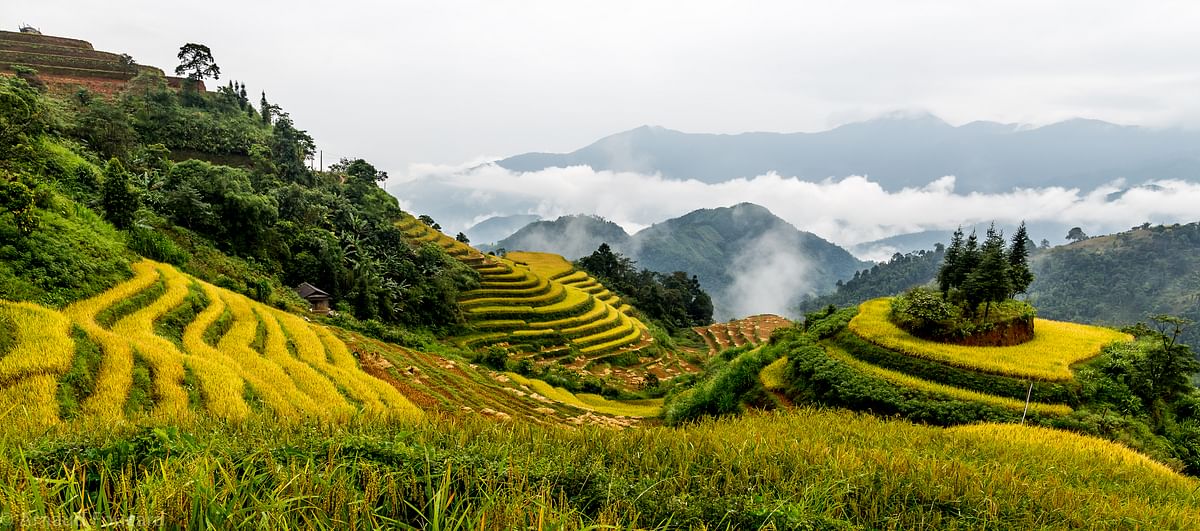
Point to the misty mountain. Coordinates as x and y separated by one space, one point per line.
748 259
571 236
494 228
901 151
1113 280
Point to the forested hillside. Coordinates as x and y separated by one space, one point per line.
1122 278
207 182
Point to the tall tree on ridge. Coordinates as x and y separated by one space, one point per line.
951 263
1020 277
196 61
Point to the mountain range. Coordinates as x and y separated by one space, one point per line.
900 151
748 259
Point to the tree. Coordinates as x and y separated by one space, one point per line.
427 220
951 263
1020 277
1045 243
462 238
290 147
1163 374
18 199
967 261
605 263
196 61
1076 234
118 199
264 109
359 171
990 281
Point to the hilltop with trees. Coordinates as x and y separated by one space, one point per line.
974 275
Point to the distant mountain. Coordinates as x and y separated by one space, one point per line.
494 228
1113 280
901 151
883 249
748 259
571 236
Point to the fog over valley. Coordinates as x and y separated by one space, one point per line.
849 210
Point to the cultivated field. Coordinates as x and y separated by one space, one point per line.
1048 357
166 346
538 307
754 330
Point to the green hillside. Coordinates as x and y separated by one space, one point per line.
159 369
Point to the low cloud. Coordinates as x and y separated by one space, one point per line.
847 211
769 276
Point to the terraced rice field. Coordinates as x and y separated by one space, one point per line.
1048 357
754 330
447 387
537 306
242 357
906 380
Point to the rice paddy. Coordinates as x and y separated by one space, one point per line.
538 306
754 330
1048 357
293 369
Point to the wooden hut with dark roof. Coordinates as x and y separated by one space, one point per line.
318 300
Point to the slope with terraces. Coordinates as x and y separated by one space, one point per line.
538 307
754 330
168 346
867 361
67 64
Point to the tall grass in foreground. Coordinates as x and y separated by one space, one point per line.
802 469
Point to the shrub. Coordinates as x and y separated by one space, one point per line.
153 245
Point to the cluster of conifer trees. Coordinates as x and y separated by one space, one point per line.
987 272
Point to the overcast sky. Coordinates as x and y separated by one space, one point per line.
446 82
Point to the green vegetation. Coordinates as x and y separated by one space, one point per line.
195 391
1109 397
258 228
924 313
673 301
793 470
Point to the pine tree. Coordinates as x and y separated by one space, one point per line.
1020 277
967 261
264 109
951 263
990 280
118 199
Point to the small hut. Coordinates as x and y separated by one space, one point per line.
318 300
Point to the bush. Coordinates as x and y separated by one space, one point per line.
725 386
924 313
816 377
151 244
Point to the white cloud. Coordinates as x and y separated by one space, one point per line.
846 211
